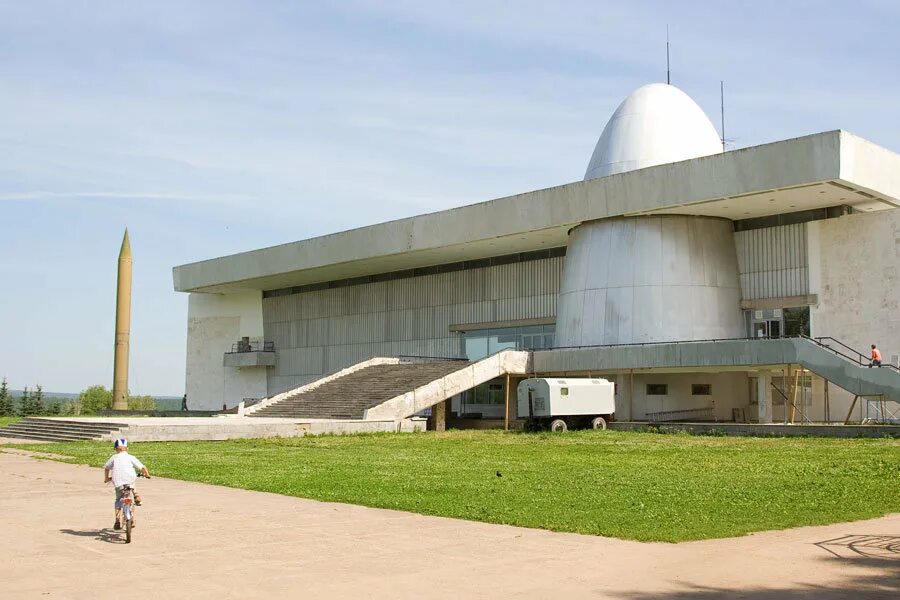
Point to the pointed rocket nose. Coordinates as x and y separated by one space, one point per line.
125 251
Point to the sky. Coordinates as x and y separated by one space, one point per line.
209 128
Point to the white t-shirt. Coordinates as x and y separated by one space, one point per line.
122 466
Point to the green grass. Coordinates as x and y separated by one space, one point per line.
641 486
4 421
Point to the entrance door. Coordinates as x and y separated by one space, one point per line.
766 325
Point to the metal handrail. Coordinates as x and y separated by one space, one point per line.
239 347
731 339
859 358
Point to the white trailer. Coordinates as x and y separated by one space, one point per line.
561 403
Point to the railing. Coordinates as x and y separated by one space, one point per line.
882 411
689 414
731 339
242 346
843 350
847 352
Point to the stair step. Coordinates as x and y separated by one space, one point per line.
91 423
349 396
61 428
47 437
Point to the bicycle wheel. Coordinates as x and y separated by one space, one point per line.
128 523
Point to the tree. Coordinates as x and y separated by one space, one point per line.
37 401
141 403
24 400
6 401
95 398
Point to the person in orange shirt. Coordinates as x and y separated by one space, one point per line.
876 357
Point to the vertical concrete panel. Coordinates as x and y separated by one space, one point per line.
325 330
773 262
647 251
648 313
643 303
576 277
622 251
675 252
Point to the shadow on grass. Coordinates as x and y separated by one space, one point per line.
109 536
878 555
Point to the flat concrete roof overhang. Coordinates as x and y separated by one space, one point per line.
815 171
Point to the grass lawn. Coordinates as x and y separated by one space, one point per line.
4 421
641 486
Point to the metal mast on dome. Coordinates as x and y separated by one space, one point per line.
668 70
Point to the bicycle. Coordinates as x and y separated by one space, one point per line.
126 505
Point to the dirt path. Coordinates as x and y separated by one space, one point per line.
200 541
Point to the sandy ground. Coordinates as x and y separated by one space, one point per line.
201 541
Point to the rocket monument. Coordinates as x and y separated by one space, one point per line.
123 327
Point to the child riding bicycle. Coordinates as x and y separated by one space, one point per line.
120 469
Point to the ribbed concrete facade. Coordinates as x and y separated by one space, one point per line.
773 261
650 279
321 331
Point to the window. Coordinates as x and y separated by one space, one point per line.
485 393
657 389
564 391
483 342
796 321
701 389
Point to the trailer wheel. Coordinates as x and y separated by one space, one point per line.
558 426
598 423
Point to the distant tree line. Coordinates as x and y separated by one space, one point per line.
90 401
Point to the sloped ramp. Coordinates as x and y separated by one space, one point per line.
820 358
348 394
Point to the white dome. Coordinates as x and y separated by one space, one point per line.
655 125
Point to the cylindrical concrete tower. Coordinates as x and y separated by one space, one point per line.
123 327
650 278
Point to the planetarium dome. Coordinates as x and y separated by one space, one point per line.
656 124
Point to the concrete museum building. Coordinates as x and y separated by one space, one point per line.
745 285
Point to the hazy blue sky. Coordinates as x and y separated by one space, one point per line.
214 127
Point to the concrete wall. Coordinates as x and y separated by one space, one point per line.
729 390
319 332
650 279
215 322
855 270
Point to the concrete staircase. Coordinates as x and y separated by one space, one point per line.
848 368
60 430
350 395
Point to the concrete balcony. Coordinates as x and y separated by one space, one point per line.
249 359
245 353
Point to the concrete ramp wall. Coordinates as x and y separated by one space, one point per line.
513 362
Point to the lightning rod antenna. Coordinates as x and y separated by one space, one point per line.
668 70
722 99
